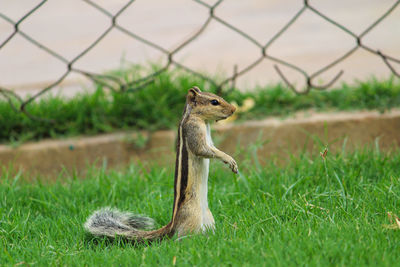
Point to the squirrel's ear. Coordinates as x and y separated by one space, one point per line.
192 94
195 88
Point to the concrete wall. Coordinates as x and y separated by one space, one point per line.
279 139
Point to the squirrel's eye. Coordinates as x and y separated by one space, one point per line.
214 102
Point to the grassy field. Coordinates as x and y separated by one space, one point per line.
311 212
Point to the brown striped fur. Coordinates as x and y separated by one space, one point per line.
194 149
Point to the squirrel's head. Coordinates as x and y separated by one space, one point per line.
208 106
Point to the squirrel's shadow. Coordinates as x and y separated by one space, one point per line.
94 242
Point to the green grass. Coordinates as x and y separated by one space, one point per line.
309 212
159 105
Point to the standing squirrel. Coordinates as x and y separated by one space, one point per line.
194 149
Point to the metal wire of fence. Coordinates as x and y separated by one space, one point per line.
116 83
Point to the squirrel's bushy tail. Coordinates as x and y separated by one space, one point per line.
111 222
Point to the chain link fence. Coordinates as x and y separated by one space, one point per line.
116 83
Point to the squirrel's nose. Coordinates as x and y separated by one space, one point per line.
233 109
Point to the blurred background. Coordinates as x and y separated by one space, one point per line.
40 38
76 68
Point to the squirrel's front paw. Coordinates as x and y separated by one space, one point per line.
232 164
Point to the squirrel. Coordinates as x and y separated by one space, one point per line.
190 208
